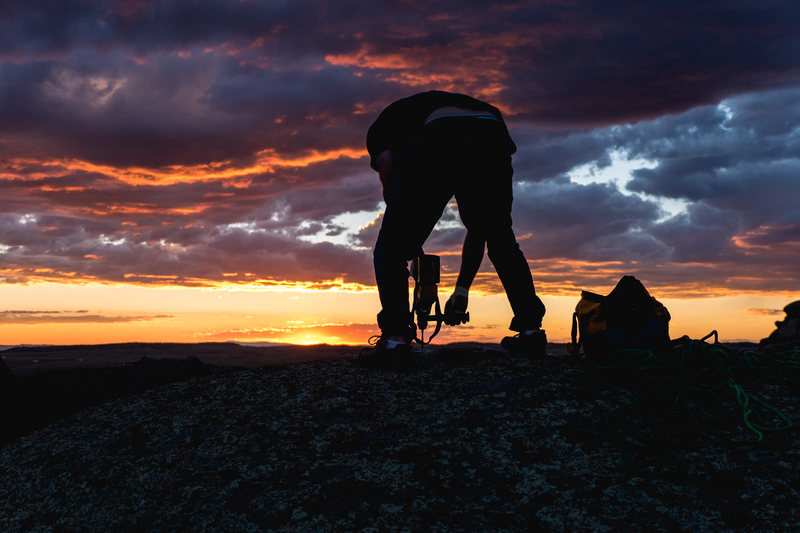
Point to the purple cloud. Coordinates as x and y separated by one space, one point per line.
188 141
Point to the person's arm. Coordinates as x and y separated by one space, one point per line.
471 257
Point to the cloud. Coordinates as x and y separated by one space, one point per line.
69 317
188 82
188 256
568 220
628 63
211 142
764 311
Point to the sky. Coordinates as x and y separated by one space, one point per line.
196 170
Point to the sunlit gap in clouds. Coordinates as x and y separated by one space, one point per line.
350 224
619 172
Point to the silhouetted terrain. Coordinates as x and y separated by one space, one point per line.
54 381
470 439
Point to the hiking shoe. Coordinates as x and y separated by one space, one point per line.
379 356
529 345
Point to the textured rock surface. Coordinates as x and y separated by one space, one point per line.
37 399
468 440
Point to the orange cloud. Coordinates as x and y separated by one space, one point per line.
244 281
759 240
445 68
266 161
67 317
763 311
142 209
363 58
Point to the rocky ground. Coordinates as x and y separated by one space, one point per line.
468 439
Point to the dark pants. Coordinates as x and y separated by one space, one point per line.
469 158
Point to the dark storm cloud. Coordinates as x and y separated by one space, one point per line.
42 27
738 165
246 122
152 83
581 221
628 61
702 234
175 82
735 165
544 155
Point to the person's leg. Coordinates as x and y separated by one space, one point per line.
414 203
484 203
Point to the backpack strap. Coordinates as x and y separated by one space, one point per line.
575 329
575 346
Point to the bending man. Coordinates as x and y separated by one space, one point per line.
426 149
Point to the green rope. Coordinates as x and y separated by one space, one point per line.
691 392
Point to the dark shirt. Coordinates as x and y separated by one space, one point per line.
403 120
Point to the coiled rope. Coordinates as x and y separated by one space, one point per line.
695 391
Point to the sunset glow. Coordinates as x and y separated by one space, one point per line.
165 178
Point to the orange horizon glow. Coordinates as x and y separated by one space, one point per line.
102 314
485 283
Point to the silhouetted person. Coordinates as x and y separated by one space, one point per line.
427 148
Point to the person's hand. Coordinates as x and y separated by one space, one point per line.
455 308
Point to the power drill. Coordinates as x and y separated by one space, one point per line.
425 271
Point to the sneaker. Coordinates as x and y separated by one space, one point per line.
530 344
378 355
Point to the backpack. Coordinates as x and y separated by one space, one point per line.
628 317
